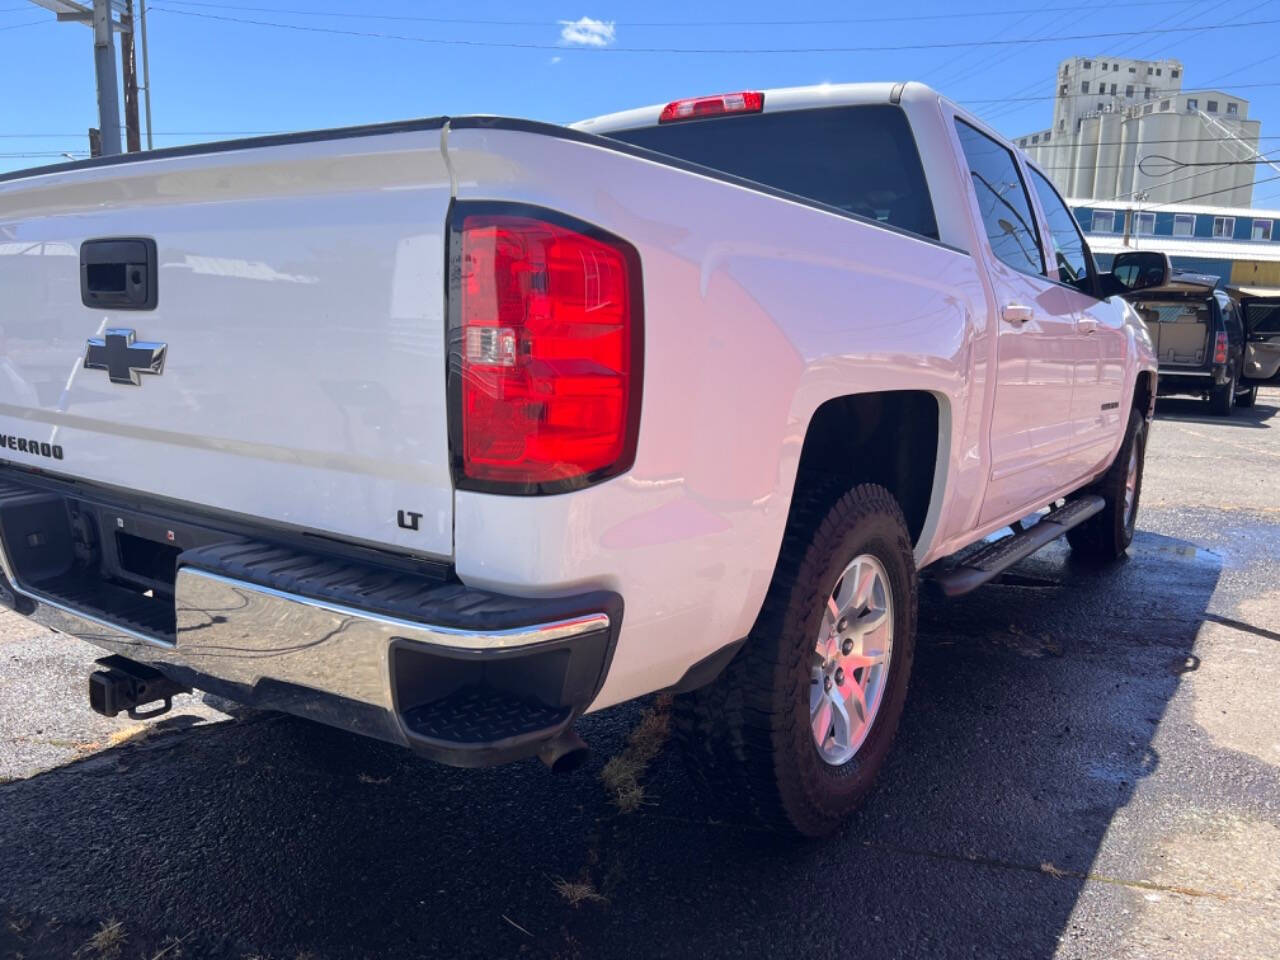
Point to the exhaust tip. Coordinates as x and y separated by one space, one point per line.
565 753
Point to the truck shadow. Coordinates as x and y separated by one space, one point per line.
1187 410
1029 724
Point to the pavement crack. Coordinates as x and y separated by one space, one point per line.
1046 868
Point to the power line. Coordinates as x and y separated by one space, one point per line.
1201 196
1158 93
1122 143
950 45
28 23
736 22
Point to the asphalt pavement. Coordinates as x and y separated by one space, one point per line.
1088 766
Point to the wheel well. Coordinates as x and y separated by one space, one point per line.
1142 399
886 438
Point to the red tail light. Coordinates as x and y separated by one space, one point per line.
546 350
1220 349
694 107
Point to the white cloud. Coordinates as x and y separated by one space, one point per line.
586 32
554 60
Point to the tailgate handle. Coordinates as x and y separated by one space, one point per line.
118 273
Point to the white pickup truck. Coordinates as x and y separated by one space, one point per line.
448 431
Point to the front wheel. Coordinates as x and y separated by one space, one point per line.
793 733
1107 534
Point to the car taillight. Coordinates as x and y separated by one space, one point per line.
546 350
1220 349
694 107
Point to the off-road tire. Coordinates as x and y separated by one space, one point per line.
1223 399
1248 398
746 737
1106 535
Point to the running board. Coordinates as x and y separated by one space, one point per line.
995 558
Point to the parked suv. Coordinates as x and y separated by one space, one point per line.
1199 339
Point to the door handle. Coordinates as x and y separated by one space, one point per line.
1015 313
1087 325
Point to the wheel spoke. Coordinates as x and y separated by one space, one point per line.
846 726
866 580
871 621
820 720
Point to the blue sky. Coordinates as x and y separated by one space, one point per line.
214 77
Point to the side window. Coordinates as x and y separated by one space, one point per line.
1002 200
1069 251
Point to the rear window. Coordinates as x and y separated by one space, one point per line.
1174 311
1262 317
862 160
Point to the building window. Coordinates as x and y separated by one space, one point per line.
1146 95
1184 224
1212 106
1046 137
1175 74
1036 138
1192 104
1157 71
1062 90
1062 126
1102 106
1164 104
1113 89
1148 71
1128 91
1145 224
1233 109
1146 110
1104 66
1084 86
1224 227
1262 229
1088 64
1104 221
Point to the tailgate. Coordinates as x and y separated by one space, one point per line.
300 302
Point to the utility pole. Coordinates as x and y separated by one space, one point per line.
98 15
146 68
133 142
104 65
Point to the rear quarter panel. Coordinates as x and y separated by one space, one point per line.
757 310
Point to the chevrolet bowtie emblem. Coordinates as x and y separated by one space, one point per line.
123 359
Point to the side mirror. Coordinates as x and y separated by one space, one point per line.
1140 269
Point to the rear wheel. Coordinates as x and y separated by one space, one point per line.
1106 535
792 734
1223 399
1247 399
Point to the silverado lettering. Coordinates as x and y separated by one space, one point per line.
21 444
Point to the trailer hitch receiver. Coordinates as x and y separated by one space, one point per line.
126 685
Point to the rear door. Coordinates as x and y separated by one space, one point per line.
1030 427
292 366
1098 413
1262 330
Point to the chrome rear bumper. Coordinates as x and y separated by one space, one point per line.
452 686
